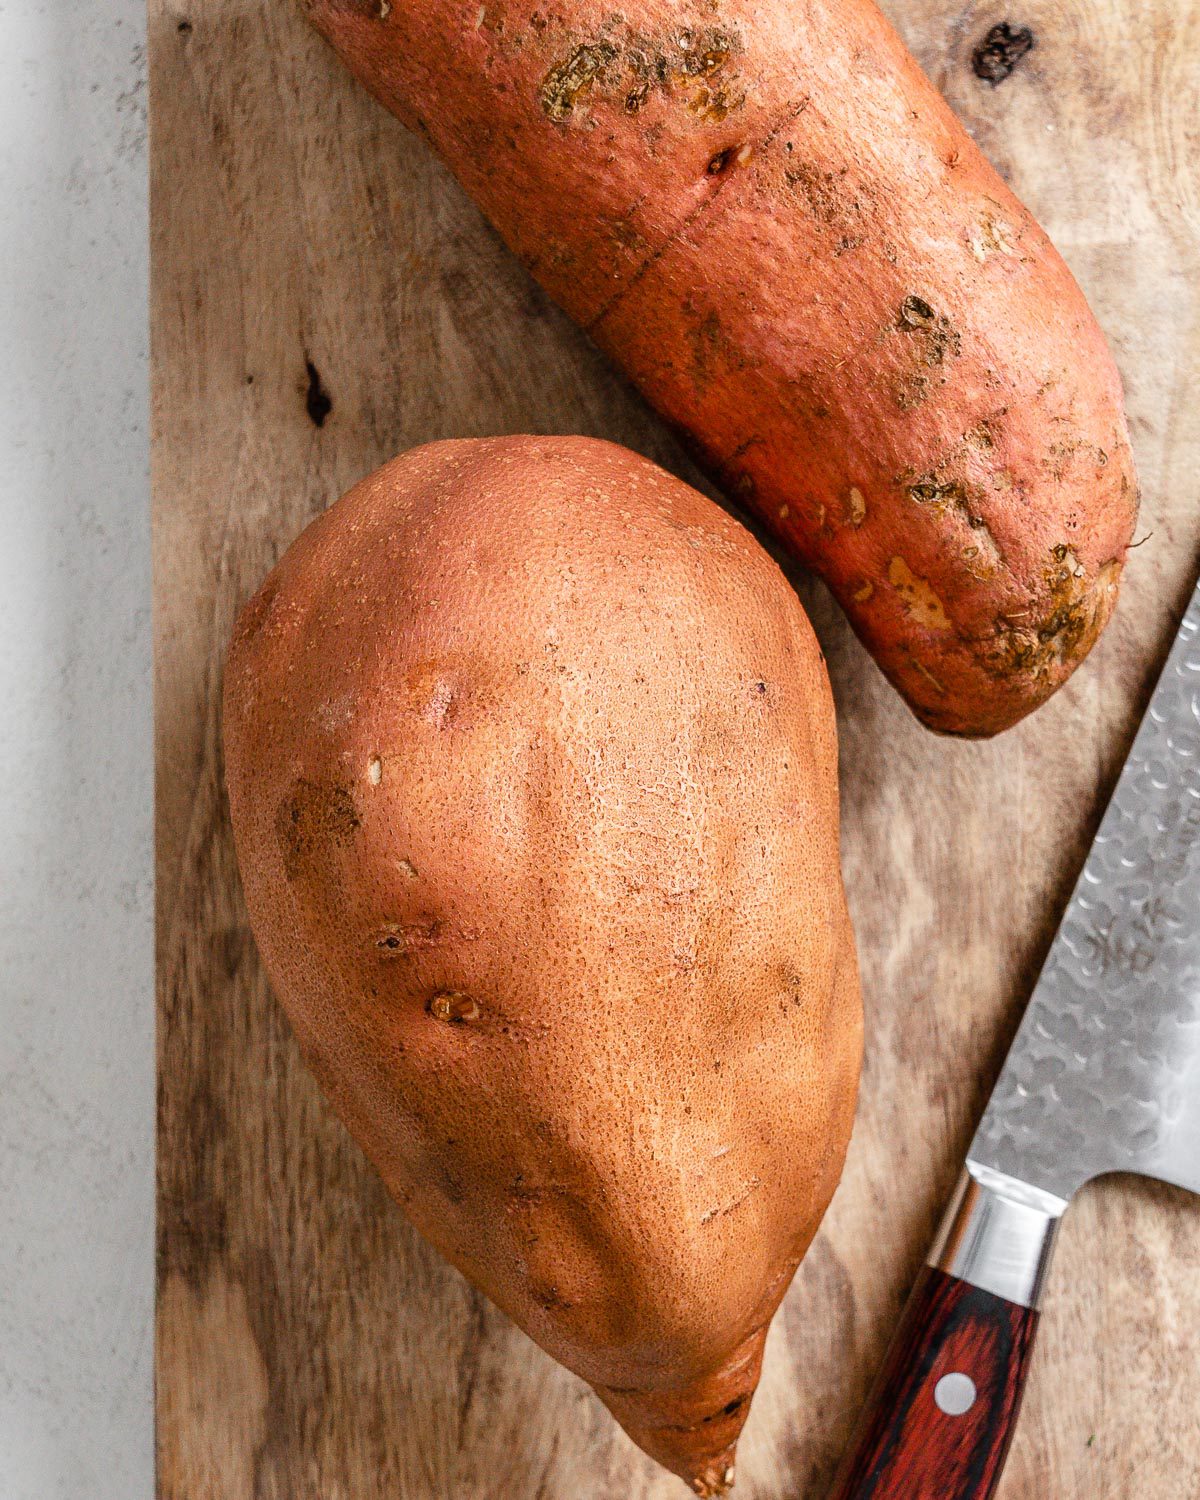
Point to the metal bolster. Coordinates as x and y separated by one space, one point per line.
998 1235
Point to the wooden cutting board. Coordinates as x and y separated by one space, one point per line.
323 297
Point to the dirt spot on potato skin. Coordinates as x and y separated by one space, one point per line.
1062 627
400 939
722 161
944 494
931 342
952 497
936 338
565 83
831 198
712 350
949 491
980 437
549 1298
981 558
910 391
312 819
693 66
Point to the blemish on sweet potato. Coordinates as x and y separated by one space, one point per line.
711 348
980 437
311 820
435 693
980 554
568 80
637 96
930 490
1061 626
916 313
937 338
1062 454
719 1210
686 64
827 194
920 667
991 236
714 104
629 237
712 59
910 391
980 561
703 53
549 1298
399 939
454 1006
920 602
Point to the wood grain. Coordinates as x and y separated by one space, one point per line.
309 1345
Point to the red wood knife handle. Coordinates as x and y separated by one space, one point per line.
941 1416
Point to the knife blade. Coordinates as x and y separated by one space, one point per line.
1103 1076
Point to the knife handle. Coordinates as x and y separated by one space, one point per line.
943 1412
940 1419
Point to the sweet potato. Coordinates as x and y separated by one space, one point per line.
532 767
775 225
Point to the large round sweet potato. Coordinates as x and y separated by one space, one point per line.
772 221
532 766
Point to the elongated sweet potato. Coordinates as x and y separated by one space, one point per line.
771 220
533 774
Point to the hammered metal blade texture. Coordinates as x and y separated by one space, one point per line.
1104 1074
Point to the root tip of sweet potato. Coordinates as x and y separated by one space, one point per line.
716 1478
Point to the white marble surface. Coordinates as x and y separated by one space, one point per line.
76 1011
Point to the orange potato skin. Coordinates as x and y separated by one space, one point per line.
770 219
533 776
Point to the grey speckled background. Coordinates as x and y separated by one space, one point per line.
76 1013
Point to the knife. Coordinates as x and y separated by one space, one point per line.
1104 1076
